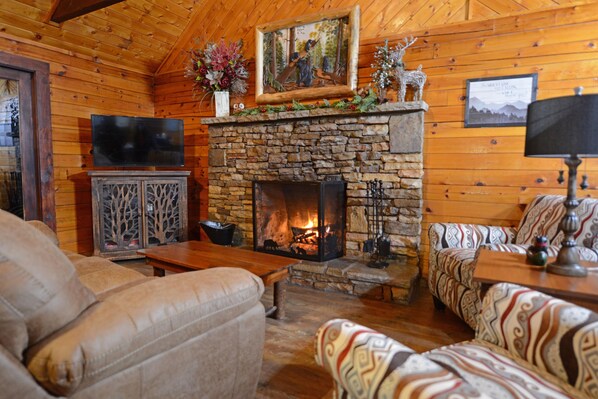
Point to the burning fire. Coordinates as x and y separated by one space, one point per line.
312 227
311 224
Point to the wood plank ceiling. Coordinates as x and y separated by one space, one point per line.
150 36
63 10
236 19
134 34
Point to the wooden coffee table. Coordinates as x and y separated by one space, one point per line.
199 255
496 267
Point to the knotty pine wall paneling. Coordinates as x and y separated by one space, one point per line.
479 175
474 175
80 86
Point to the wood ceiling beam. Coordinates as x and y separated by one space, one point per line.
63 10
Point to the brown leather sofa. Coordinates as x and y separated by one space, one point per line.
84 327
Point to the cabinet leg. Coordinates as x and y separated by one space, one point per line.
159 272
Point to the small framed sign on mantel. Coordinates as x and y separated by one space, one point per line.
499 101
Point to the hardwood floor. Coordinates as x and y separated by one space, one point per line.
289 369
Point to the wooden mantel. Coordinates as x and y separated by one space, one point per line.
411 106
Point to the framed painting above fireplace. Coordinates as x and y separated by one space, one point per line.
308 57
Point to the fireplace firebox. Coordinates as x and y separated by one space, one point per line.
304 220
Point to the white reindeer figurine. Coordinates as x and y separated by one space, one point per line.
404 78
416 78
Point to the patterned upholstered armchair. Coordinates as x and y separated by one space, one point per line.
453 249
528 345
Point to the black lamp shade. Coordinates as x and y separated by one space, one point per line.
562 127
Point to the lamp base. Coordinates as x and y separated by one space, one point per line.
571 270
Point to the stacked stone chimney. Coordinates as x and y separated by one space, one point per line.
385 144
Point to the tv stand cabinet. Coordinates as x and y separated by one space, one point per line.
137 209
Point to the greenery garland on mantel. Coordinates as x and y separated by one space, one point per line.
356 103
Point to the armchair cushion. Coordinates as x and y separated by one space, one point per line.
137 323
543 215
39 289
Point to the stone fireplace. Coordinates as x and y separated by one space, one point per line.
304 220
321 145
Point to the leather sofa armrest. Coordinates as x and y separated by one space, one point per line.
137 323
545 331
366 364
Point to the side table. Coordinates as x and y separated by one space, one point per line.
496 267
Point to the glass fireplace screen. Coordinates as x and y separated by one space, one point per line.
303 220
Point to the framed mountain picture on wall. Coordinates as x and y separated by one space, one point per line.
499 101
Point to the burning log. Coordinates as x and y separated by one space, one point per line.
304 235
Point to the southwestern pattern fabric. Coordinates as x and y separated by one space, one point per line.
499 375
452 280
453 248
587 254
556 336
366 364
528 345
457 235
543 215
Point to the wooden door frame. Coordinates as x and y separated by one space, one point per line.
43 189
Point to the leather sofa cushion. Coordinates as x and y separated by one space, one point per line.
102 276
39 289
132 325
73 256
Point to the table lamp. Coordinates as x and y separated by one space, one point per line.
565 127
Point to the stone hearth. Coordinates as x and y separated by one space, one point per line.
324 144
396 283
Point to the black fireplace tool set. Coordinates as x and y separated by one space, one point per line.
378 243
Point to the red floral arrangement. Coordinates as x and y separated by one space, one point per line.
219 67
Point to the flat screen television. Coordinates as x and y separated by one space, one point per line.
123 141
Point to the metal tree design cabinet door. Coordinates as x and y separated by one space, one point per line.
119 217
135 210
164 214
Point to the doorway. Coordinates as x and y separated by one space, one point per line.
26 172
11 180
